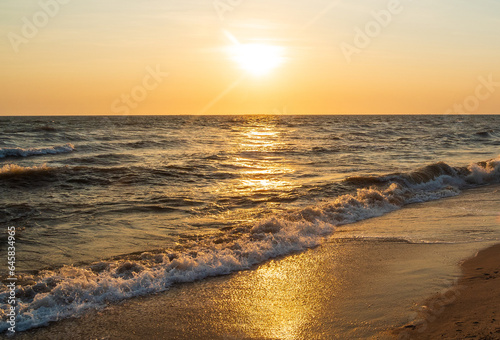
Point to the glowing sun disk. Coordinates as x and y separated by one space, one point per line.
258 59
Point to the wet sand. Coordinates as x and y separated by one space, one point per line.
347 288
470 310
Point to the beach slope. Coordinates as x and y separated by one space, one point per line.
470 310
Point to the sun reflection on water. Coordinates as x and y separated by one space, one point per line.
262 168
257 174
258 185
283 299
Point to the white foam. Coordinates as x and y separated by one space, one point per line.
482 175
70 291
19 152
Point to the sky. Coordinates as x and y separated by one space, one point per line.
88 57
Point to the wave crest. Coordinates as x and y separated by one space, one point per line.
19 152
437 174
13 170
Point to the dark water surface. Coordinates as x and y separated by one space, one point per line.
115 207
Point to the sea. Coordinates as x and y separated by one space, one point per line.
106 208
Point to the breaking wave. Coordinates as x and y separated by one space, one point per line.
437 174
52 295
14 170
19 152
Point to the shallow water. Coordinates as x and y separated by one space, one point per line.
139 203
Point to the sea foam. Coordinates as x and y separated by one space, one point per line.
19 152
52 295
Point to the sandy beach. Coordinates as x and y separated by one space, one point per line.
469 310
350 287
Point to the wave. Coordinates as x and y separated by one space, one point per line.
52 295
45 128
485 134
19 152
15 170
104 159
437 174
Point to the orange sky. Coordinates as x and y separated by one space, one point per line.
174 57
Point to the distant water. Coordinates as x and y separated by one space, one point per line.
108 208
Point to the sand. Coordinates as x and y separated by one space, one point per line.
470 310
347 288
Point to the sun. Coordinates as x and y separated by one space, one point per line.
257 59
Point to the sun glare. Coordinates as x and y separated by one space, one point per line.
257 59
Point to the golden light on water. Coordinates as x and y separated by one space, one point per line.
262 133
263 174
263 138
286 299
274 308
256 185
278 304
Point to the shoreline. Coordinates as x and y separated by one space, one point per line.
361 283
339 290
470 309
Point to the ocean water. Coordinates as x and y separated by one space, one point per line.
108 208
